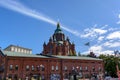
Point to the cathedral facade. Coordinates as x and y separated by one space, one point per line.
59 44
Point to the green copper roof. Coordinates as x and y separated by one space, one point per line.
58 30
17 54
77 58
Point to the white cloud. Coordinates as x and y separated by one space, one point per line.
114 35
100 38
88 34
112 29
96 48
99 31
93 32
99 49
19 7
110 52
112 44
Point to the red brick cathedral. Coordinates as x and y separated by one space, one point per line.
59 44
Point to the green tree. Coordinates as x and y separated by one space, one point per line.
110 63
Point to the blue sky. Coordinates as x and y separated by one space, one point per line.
30 23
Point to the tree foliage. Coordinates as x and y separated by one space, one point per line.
110 63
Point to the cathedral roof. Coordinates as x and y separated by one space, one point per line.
58 30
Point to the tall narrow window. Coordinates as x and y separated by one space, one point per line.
27 68
86 68
11 67
52 68
65 68
38 68
16 67
33 68
42 67
93 68
99 68
80 68
56 68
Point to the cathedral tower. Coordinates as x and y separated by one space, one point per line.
59 44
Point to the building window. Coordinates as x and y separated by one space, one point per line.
93 68
15 77
18 49
33 68
27 68
100 69
16 67
10 76
15 49
38 68
42 67
12 49
52 68
21 50
56 68
80 68
11 67
86 68
25 51
65 68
